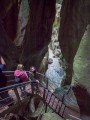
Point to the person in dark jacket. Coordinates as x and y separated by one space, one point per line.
4 94
34 81
2 63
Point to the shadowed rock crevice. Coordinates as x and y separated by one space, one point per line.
9 14
74 19
7 48
8 29
38 32
83 99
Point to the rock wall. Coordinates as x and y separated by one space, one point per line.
22 22
7 48
38 32
75 16
8 29
74 19
9 15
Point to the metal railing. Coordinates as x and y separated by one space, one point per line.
15 97
47 82
16 86
41 112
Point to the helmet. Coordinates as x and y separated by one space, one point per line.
32 69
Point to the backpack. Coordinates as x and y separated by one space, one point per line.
17 79
31 76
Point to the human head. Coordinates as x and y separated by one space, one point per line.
32 69
20 66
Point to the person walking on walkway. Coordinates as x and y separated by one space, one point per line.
20 76
2 63
4 96
34 81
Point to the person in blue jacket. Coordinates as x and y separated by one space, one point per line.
2 63
3 83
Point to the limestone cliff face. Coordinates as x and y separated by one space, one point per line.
75 16
81 61
7 48
8 28
74 19
38 32
22 22
9 16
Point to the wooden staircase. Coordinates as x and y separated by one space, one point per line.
57 105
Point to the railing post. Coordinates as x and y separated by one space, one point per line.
44 94
47 88
46 108
47 83
17 95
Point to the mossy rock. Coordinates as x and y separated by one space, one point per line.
62 90
51 116
36 113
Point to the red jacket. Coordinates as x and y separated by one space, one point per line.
22 74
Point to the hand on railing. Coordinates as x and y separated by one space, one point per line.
47 80
37 81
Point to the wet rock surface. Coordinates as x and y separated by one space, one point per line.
55 72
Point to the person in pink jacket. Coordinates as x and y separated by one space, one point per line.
20 76
19 72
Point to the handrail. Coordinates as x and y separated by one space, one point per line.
24 83
17 85
14 86
30 72
45 78
8 71
60 100
74 117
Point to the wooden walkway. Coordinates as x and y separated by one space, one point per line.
57 105
49 98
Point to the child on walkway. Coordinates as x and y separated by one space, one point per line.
34 81
20 76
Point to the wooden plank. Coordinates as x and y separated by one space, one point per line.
71 112
62 110
14 107
48 97
58 107
55 103
52 100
